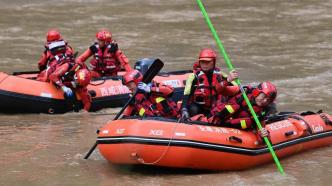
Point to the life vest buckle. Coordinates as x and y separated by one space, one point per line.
153 108
200 99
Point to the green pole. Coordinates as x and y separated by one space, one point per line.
230 67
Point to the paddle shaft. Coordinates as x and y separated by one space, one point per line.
153 70
91 150
230 67
125 106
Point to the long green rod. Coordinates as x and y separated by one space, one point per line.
230 67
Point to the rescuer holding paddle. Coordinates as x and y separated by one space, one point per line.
206 85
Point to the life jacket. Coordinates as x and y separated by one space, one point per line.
205 94
68 78
152 105
104 60
244 109
59 52
235 112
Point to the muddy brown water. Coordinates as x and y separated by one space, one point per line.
285 42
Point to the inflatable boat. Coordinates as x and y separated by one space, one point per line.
20 92
163 142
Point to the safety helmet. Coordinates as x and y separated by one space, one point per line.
267 88
104 35
132 76
53 35
82 77
207 54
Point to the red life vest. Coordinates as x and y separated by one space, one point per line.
104 60
58 53
205 94
153 105
245 112
235 112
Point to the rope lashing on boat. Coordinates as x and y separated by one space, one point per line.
103 79
310 132
136 156
97 84
4 78
325 119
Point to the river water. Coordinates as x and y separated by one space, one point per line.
286 42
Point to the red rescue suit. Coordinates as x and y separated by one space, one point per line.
155 103
107 61
205 89
235 112
60 78
55 54
206 93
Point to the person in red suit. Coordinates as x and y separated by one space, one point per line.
235 112
206 85
152 99
108 59
73 80
56 53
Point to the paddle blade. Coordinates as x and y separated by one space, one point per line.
153 70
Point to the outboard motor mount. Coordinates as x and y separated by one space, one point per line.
143 65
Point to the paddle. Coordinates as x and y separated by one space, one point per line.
25 72
153 70
230 67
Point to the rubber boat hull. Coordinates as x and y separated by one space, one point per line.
160 142
22 93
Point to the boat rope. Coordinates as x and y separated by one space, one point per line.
310 132
141 160
96 84
4 78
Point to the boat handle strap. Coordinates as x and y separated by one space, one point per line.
236 139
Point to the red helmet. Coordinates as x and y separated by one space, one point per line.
104 35
207 55
134 75
268 89
82 77
53 35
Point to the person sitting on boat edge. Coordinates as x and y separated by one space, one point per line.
206 85
107 57
73 79
152 99
235 113
57 52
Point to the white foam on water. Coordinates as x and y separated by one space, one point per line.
103 18
174 16
320 78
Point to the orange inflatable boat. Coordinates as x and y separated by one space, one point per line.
21 92
162 142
